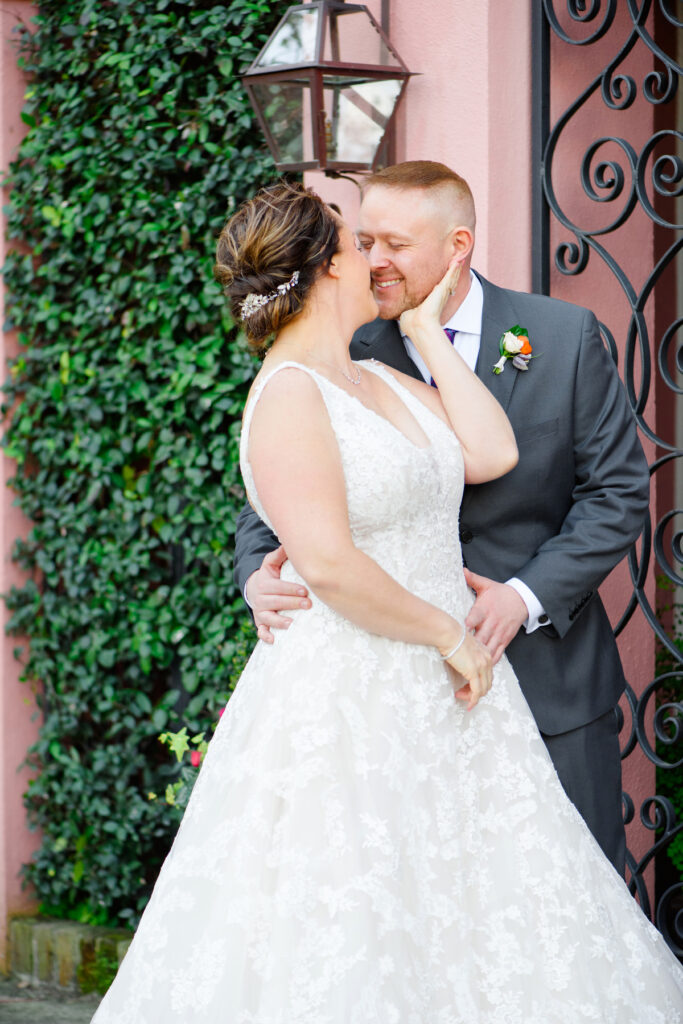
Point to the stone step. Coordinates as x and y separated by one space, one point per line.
73 956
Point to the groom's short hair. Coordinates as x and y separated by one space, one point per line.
427 175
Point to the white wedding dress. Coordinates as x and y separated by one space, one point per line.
360 849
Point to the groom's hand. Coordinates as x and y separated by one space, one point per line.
497 614
268 595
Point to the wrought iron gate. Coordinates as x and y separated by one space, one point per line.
608 175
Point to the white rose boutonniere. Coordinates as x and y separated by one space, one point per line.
512 342
515 345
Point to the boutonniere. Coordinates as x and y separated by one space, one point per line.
514 345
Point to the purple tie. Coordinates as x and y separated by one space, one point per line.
450 334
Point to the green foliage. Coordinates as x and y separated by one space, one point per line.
180 744
189 751
96 973
126 401
670 781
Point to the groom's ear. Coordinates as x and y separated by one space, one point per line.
462 242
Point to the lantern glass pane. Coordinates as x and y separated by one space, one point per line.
286 109
351 37
294 41
356 115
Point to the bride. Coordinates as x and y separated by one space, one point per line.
377 834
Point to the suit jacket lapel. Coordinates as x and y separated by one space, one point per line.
382 340
497 317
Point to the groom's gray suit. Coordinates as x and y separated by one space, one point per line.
560 521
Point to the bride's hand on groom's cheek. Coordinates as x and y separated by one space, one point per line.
269 595
497 614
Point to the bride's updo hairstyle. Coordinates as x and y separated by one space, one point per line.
270 253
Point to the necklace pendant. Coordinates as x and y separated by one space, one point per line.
334 366
351 379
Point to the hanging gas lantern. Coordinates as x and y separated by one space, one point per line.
325 87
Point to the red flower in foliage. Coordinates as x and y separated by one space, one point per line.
195 758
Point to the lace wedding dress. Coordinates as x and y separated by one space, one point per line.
360 849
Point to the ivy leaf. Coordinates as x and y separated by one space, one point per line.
177 742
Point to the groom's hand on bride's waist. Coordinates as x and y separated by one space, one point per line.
497 614
267 595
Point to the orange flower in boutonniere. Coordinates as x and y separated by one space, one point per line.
514 345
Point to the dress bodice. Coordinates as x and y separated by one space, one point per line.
403 500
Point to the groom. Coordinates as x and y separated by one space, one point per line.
538 542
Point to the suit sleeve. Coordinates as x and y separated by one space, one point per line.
610 495
253 540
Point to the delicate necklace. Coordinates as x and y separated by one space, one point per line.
351 380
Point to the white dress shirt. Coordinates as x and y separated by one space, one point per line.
467 322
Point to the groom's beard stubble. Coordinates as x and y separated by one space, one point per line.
391 306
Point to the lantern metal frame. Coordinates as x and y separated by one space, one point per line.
316 70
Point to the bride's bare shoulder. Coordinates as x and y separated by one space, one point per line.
289 435
284 395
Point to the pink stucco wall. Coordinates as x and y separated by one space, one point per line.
17 705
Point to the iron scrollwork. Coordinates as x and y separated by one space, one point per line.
639 178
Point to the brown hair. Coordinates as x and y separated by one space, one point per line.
283 229
425 174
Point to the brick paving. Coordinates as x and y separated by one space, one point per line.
42 1005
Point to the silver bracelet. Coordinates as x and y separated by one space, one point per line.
461 641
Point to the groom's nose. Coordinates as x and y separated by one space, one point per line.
377 256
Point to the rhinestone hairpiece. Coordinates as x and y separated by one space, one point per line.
254 301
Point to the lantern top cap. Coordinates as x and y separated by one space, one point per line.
328 33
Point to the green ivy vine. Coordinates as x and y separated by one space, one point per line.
125 408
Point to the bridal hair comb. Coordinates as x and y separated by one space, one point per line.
254 301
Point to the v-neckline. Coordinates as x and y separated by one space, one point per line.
337 387
383 419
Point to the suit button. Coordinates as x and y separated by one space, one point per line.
466 535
